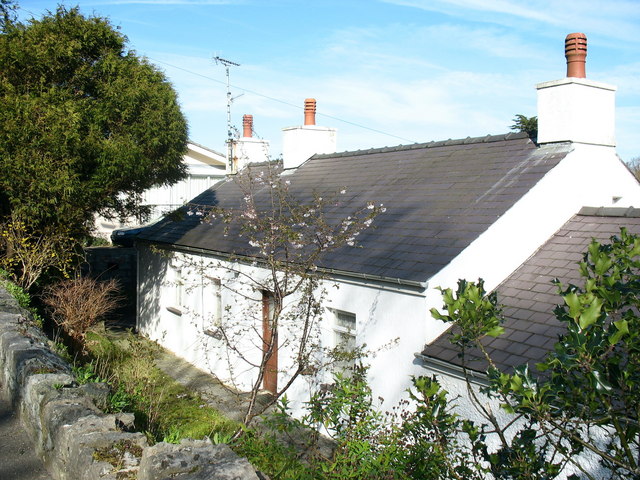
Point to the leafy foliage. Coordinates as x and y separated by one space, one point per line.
30 253
20 294
86 125
584 396
528 125
7 13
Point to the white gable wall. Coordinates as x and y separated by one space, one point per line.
590 175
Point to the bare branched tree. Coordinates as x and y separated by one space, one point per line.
283 237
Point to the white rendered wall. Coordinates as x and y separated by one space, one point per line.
392 319
576 110
251 150
301 143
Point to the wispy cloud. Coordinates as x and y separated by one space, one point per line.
618 19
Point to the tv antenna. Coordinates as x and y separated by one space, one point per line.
227 64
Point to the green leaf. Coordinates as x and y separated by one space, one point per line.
495 331
601 383
622 327
437 315
591 314
573 302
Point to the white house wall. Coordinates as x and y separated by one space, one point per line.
167 198
390 322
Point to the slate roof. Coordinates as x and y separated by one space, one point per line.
529 297
439 197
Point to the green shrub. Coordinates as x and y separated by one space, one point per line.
21 296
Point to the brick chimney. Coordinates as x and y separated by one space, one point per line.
249 149
301 143
247 126
576 109
575 51
310 111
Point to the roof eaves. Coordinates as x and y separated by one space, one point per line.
452 370
399 282
205 148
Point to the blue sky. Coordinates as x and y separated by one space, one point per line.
383 72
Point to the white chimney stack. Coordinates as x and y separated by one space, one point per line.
301 143
248 149
576 109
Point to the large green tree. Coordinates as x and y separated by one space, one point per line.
85 125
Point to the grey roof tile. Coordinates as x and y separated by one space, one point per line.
440 196
531 329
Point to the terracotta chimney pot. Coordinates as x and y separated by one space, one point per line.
247 126
310 111
575 51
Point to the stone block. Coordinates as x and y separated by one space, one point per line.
36 389
60 409
23 356
194 460
93 448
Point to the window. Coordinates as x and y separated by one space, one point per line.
211 301
344 333
175 294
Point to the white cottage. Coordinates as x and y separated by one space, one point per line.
205 167
468 208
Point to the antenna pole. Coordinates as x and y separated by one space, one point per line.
230 141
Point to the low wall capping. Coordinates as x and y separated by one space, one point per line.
73 436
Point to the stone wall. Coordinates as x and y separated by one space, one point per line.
71 433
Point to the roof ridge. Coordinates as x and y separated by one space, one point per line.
432 144
630 212
205 147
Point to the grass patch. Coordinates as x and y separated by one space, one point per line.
163 408
167 411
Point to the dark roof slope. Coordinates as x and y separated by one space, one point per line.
439 196
529 297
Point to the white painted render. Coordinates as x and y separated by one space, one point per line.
250 150
204 169
301 143
576 110
390 321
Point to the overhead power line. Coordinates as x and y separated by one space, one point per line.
283 102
